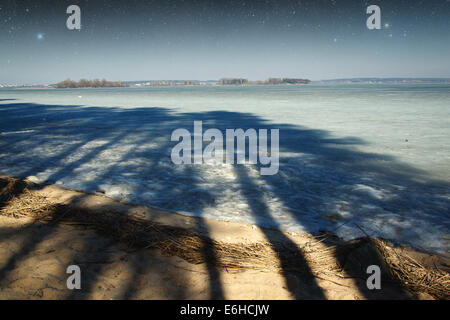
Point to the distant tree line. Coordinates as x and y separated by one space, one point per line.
240 81
287 81
84 83
232 81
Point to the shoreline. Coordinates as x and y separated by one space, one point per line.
253 255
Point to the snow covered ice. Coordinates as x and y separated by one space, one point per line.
357 157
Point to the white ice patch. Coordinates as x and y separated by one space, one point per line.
370 191
16 132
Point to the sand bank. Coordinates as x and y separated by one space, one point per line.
138 252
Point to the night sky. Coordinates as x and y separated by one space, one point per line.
206 40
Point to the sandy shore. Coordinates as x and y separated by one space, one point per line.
35 253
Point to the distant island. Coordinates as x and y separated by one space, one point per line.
83 83
240 81
270 81
220 82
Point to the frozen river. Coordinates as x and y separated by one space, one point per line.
352 157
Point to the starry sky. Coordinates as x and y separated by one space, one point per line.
207 40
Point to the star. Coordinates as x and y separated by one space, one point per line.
387 25
40 36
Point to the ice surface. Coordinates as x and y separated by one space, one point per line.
365 157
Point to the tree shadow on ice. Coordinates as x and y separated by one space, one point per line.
112 129
324 182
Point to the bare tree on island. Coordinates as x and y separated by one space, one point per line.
84 83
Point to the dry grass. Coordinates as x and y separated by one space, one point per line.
138 232
17 200
412 274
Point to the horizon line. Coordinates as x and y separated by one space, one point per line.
217 80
